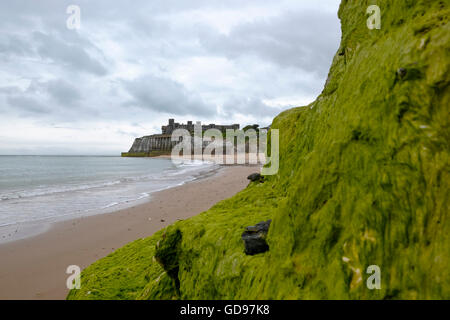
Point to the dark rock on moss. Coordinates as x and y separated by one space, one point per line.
255 238
401 72
255 177
411 73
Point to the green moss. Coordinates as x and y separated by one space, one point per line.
363 180
123 274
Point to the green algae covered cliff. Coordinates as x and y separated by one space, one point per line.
363 180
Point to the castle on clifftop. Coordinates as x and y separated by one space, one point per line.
172 126
162 143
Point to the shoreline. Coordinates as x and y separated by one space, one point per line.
24 230
35 267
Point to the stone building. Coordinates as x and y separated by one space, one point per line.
172 126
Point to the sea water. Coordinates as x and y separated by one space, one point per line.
38 188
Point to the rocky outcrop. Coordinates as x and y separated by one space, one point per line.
152 143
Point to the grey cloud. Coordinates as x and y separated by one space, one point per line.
51 99
13 45
70 55
127 133
303 40
249 106
63 92
27 106
8 90
166 96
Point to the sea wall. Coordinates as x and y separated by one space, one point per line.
148 145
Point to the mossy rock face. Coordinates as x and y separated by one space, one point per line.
364 180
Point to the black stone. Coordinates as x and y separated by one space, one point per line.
255 238
402 73
255 177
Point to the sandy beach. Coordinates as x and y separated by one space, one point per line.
35 267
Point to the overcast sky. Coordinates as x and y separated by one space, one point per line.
133 64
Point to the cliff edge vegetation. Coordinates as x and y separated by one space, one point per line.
363 180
